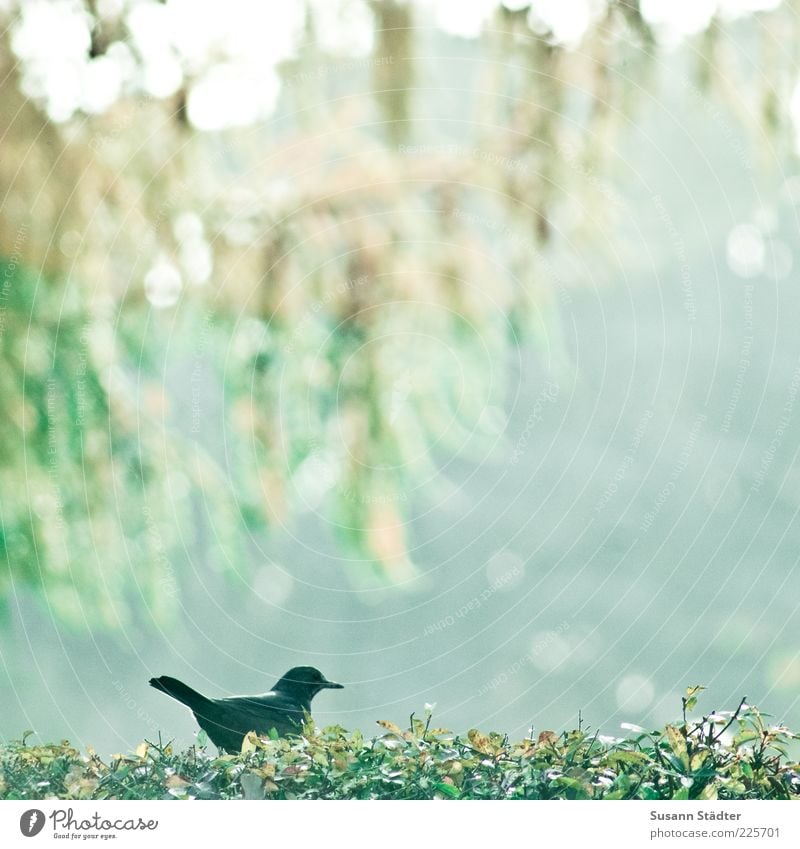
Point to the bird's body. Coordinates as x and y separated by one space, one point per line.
227 721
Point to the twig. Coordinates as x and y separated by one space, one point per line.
731 720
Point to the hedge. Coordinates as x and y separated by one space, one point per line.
723 755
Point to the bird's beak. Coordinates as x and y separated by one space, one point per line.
332 685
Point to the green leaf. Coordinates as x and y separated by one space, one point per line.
580 789
677 743
747 735
628 756
252 786
249 742
448 789
709 792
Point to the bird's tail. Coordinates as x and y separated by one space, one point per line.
180 691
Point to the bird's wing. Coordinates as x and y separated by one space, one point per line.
277 701
264 712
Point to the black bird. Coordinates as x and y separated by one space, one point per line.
227 721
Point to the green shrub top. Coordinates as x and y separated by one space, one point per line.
726 755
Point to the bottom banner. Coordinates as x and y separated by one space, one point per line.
403 824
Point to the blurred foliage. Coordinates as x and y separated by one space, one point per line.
349 285
72 438
728 755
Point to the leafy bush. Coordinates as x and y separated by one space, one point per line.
726 755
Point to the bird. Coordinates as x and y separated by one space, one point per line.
227 721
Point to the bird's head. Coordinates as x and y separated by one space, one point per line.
304 682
